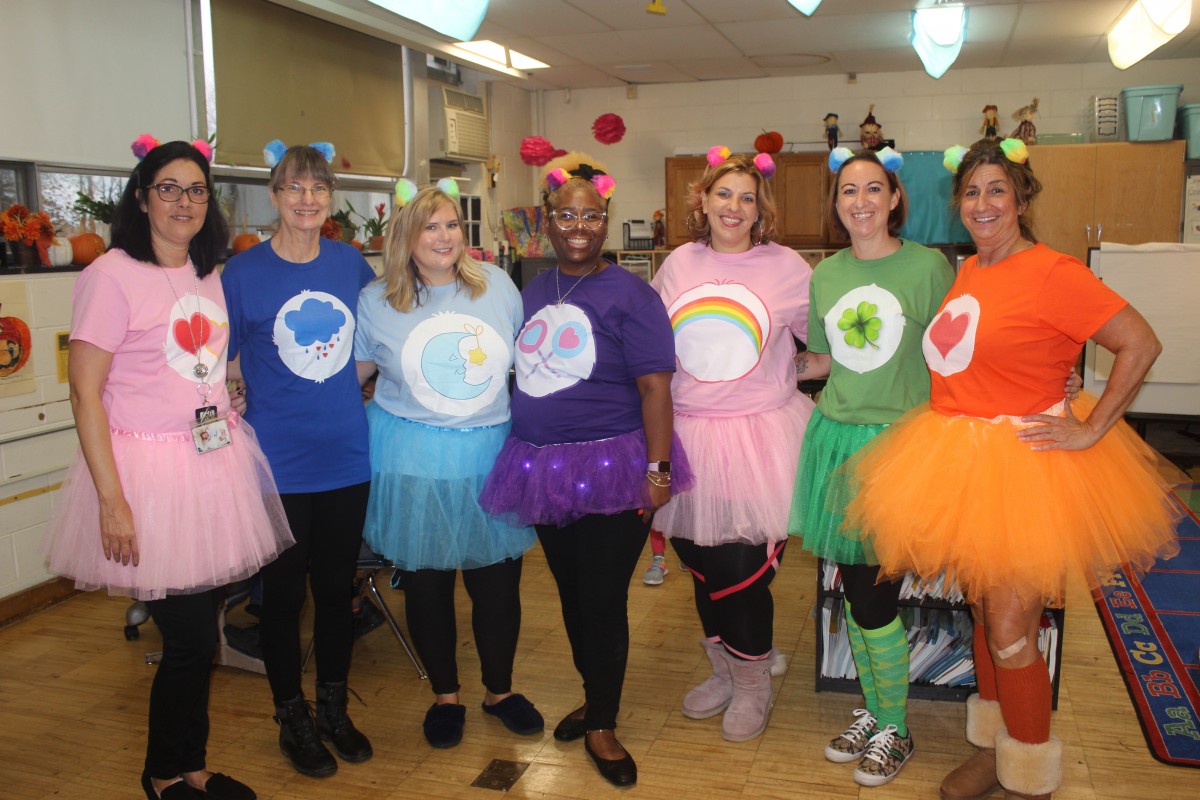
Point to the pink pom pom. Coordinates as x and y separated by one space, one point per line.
717 154
765 164
556 178
604 185
143 145
205 149
536 151
608 128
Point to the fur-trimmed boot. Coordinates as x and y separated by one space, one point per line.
975 778
747 714
1028 771
711 697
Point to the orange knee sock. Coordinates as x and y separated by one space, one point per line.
985 670
1025 702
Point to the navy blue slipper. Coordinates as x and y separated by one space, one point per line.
444 724
518 715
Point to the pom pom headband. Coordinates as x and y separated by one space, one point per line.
275 149
719 154
1014 150
603 182
406 190
889 158
145 143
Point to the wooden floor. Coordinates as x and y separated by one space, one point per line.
73 699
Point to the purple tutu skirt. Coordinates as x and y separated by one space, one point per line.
556 484
201 521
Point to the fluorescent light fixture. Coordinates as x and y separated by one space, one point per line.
486 48
1147 26
805 7
458 19
521 61
938 33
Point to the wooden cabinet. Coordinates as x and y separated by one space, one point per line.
1128 192
800 185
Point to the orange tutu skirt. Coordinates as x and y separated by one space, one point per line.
964 496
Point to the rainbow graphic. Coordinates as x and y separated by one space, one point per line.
721 309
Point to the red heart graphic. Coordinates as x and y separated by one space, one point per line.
947 331
568 339
192 334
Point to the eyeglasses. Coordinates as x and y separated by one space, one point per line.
171 192
295 191
566 220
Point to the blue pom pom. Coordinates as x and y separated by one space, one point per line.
325 149
273 152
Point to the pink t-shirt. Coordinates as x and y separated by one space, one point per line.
734 316
157 328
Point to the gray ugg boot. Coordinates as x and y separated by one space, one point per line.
711 697
747 714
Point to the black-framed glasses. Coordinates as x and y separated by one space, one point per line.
566 220
295 191
171 192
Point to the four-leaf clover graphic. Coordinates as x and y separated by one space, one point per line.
861 325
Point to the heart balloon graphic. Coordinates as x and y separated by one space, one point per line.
193 333
947 331
568 339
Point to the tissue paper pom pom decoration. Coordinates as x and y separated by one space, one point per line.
765 164
205 149
604 185
717 154
326 150
557 177
838 156
1014 150
608 128
448 187
273 151
536 151
890 159
953 157
406 190
143 145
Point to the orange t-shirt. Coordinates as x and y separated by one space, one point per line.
1008 335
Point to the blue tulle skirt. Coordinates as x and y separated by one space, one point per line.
425 481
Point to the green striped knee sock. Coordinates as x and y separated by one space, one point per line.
888 649
862 662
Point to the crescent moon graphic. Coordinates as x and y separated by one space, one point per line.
445 370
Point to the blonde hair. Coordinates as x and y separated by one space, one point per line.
696 221
571 162
401 279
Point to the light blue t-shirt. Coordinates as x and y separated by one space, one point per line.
446 362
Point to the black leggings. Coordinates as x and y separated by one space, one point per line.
328 530
732 583
495 592
592 560
873 605
178 733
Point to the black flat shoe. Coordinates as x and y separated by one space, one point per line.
176 791
619 772
517 714
570 728
444 724
223 787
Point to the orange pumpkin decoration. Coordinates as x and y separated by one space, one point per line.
86 248
356 244
244 241
769 142
15 345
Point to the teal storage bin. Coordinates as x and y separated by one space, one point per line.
1189 124
1150 111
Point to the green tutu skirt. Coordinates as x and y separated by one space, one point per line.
821 494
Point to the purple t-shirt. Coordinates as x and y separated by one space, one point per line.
577 363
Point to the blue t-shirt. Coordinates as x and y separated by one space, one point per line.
578 363
445 362
293 326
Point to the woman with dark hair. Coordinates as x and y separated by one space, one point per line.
1002 483
868 306
591 444
152 507
439 327
737 302
292 304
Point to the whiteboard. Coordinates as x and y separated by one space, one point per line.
1162 281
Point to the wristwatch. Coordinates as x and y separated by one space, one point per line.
659 466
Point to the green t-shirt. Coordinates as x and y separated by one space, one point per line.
870 316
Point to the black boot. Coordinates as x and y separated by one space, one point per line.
299 742
335 726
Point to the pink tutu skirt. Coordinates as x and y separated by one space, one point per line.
202 521
745 470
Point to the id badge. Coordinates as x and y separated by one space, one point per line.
212 435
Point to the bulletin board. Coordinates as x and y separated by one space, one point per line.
1162 281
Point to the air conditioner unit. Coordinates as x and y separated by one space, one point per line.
460 129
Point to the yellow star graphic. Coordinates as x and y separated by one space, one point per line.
477 356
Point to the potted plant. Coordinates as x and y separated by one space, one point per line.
372 227
97 214
348 227
24 230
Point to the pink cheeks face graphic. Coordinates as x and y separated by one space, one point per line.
555 350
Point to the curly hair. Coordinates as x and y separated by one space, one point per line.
581 167
1025 184
697 222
